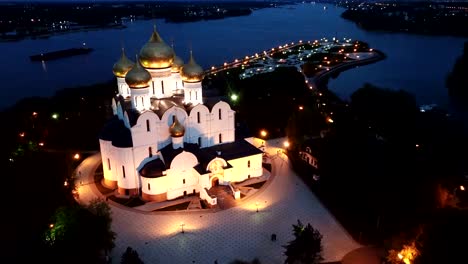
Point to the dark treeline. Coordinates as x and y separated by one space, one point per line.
416 17
30 19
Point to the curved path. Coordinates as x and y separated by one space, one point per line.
239 232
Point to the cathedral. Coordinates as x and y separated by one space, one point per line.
165 139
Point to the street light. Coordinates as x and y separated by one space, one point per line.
182 226
234 97
76 156
286 144
263 133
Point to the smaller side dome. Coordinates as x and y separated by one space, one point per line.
122 66
177 64
192 72
176 129
138 77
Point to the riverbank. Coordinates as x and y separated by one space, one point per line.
436 19
13 38
322 78
49 19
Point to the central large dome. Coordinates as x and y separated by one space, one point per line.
156 54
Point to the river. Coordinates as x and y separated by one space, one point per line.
417 64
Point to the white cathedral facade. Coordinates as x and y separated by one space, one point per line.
165 139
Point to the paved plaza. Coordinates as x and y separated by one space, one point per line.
235 233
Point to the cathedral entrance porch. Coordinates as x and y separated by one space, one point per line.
224 196
214 182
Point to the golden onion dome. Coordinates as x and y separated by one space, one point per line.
176 129
177 64
192 72
156 54
122 66
138 77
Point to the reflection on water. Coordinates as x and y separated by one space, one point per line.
44 66
417 64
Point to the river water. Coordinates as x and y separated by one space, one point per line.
417 64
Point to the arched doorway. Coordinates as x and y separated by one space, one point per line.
214 182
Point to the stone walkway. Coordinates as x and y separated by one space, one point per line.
238 232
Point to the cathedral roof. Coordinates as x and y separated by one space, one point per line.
226 151
177 64
192 72
160 106
153 169
122 66
156 54
138 77
176 129
116 132
169 153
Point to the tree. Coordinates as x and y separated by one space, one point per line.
130 256
457 80
444 238
83 230
306 248
104 235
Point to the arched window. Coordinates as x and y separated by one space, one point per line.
219 114
142 102
162 87
198 117
220 138
248 164
199 141
123 171
196 95
149 186
147 125
108 164
152 83
183 181
150 152
173 118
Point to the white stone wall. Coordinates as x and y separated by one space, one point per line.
241 169
148 120
124 159
162 84
176 81
141 155
157 185
140 99
198 129
193 93
123 88
222 122
108 157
